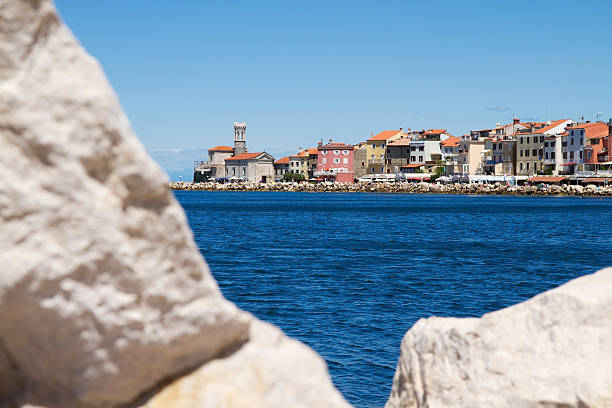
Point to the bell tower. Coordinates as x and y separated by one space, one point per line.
239 138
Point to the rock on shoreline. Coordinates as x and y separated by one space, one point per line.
104 296
417 188
554 350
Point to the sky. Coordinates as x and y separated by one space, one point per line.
299 72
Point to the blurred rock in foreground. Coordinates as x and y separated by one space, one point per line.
554 350
104 297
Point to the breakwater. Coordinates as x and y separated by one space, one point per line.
416 188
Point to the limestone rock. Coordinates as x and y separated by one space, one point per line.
270 371
102 291
104 296
554 350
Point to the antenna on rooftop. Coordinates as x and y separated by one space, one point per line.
599 115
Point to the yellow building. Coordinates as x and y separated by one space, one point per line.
376 151
298 163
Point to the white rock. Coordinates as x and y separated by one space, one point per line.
554 350
104 296
102 291
270 371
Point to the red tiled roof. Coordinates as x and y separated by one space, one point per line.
412 166
551 126
313 150
384 135
302 153
244 156
451 141
221 149
284 160
592 130
403 141
597 180
435 131
546 179
336 146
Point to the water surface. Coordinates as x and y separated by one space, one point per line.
348 274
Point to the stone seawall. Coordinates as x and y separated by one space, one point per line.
416 188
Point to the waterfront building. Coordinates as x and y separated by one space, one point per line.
253 167
499 156
426 153
596 143
215 166
335 160
298 163
398 155
598 149
376 147
530 146
313 153
449 148
281 167
360 159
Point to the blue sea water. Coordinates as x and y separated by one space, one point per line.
348 274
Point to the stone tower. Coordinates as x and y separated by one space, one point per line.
239 138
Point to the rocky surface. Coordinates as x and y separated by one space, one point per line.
104 296
291 378
554 350
416 188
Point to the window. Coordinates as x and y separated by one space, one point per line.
336 152
345 152
244 171
233 171
552 155
564 155
521 143
413 148
336 160
372 157
324 160
420 158
527 166
323 152
345 160
421 148
540 152
541 139
373 169
521 153
581 141
382 145
589 155
412 158
382 156
571 154
362 165
382 169
546 156
581 154
526 152
527 143
572 141
535 152
521 166
388 150
545 144
582 132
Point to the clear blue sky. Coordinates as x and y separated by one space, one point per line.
297 72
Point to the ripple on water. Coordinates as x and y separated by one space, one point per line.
348 274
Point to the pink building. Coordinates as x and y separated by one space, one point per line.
335 160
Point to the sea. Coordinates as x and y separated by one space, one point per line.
349 273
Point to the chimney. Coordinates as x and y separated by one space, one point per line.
401 129
588 121
515 121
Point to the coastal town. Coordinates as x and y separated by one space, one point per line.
559 152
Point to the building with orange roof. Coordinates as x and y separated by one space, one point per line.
376 147
253 167
335 160
530 147
281 167
313 155
298 163
598 146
